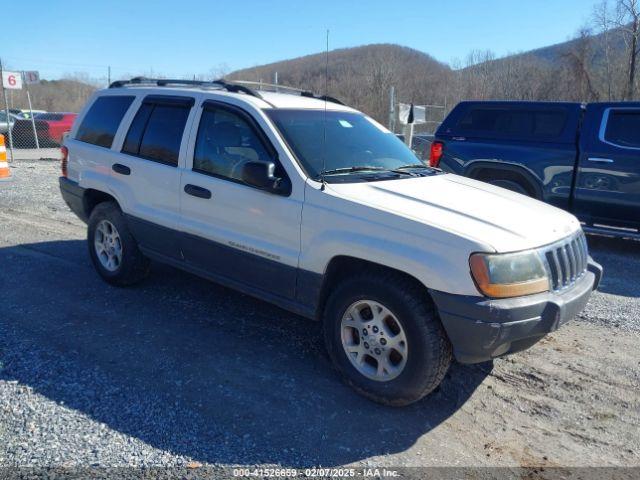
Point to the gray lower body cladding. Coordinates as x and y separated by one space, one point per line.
73 196
481 328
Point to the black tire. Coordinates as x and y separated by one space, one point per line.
429 350
134 265
512 185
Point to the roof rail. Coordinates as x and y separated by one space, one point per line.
264 86
235 86
277 88
165 82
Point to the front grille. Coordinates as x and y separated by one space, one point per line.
567 261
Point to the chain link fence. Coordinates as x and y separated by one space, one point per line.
35 114
32 134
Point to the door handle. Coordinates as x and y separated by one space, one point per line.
121 169
600 160
197 191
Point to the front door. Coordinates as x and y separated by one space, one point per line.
232 230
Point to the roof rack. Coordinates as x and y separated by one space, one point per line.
165 82
235 86
278 88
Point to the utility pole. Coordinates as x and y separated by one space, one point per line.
108 76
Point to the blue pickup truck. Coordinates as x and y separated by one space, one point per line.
581 158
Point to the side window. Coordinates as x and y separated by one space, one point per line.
516 123
101 122
156 132
623 128
225 142
480 120
134 136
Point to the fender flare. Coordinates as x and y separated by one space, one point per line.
532 180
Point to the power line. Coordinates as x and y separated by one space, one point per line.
65 64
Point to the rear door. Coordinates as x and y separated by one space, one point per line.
607 190
147 174
232 230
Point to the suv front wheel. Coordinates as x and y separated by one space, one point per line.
112 248
384 337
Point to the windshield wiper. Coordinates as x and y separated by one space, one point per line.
415 165
335 171
362 168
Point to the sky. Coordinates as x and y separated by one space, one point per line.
185 37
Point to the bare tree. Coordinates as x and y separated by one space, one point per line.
578 61
603 20
628 21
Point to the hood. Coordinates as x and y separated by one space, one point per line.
503 220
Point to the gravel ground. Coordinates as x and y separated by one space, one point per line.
182 372
35 153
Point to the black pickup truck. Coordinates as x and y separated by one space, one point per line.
581 158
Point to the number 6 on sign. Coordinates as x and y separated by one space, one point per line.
12 80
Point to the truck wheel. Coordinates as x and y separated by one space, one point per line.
385 339
113 250
512 185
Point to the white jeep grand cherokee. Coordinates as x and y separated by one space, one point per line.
309 204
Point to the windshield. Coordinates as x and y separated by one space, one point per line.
352 141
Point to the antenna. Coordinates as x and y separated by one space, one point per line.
324 122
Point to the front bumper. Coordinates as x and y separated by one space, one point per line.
481 328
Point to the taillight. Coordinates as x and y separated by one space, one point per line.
64 161
435 154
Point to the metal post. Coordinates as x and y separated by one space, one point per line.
6 106
408 131
275 80
33 120
408 134
392 108
108 76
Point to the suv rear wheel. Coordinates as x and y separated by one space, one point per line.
112 248
384 337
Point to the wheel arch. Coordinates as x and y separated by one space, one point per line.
92 197
343 266
481 170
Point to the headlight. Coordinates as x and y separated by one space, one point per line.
509 274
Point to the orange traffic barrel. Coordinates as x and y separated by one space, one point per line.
5 173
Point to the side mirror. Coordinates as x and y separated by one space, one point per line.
262 175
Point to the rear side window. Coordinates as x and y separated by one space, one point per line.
623 128
132 141
156 131
101 122
516 123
